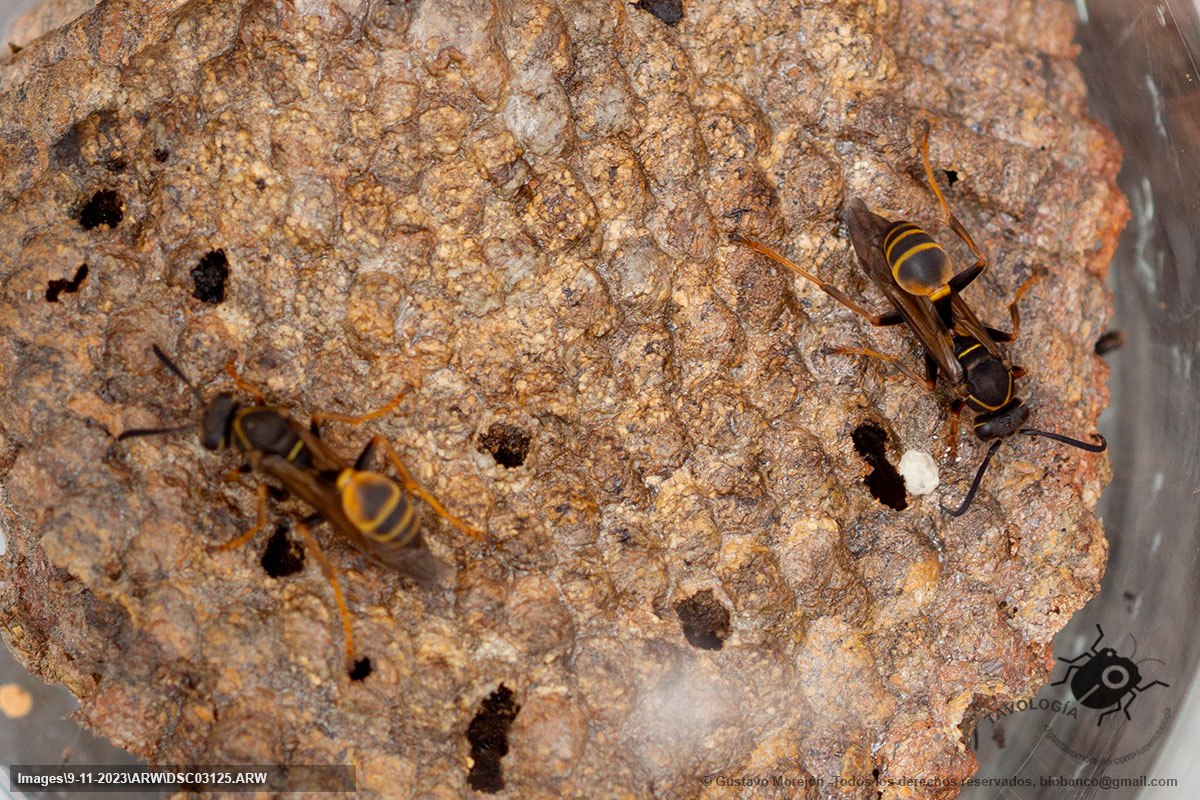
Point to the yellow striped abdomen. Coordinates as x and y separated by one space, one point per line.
918 263
378 507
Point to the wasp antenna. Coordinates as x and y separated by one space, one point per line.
966 503
169 364
132 432
1148 658
1091 447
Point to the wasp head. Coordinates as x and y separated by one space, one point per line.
1002 423
217 421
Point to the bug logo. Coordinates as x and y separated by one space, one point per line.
1104 679
1098 682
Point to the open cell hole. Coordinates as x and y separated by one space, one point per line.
506 443
104 208
62 286
208 277
669 12
884 483
361 669
488 735
951 177
705 621
283 556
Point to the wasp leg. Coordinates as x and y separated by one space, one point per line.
321 416
878 320
963 279
262 519
302 527
412 486
999 335
908 371
242 383
955 418
1012 307
363 462
931 368
235 474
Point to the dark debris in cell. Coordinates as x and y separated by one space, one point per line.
208 277
104 208
488 735
508 444
284 556
705 621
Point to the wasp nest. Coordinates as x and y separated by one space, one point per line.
522 210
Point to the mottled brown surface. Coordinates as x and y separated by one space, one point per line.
523 208
40 19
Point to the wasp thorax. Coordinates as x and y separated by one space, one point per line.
265 430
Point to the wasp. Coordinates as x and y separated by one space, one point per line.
955 342
377 514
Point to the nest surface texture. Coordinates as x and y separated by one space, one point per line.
521 210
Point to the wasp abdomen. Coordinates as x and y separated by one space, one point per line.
378 507
918 263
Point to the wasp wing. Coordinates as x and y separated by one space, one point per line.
323 457
318 490
967 323
867 230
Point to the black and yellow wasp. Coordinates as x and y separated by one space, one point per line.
916 276
377 514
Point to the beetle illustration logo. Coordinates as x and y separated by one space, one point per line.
1106 680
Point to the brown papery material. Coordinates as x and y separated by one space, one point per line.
522 210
